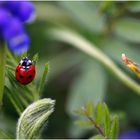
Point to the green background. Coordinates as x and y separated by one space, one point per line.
74 78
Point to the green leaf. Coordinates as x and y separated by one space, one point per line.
89 108
62 62
52 13
34 118
43 80
85 14
35 58
134 6
10 58
99 113
9 67
24 54
89 86
5 135
128 29
84 123
2 70
80 112
7 123
97 137
106 120
15 87
106 6
17 105
114 128
19 57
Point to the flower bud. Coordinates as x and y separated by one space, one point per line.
34 118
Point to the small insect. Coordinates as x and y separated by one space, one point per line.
25 71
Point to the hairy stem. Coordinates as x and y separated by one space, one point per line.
84 45
2 69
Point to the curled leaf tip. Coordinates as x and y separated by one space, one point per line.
34 118
131 64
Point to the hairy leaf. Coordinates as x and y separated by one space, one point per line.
128 29
34 118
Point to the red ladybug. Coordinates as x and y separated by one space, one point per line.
25 71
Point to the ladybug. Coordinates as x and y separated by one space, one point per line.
25 71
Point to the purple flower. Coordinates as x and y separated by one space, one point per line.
23 10
4 18
131 134
19 43
13 15
13 29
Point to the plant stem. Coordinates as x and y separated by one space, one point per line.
84 45
99 129
2 69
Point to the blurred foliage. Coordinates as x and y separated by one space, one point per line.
73 77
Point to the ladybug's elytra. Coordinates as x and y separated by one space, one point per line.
25 71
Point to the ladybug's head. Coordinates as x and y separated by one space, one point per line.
25 62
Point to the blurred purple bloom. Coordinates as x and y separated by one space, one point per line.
131 134
13 14
23 10
26 12
4 18
13 29
12 5
19 43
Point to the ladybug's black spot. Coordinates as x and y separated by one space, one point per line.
20 76
30 76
